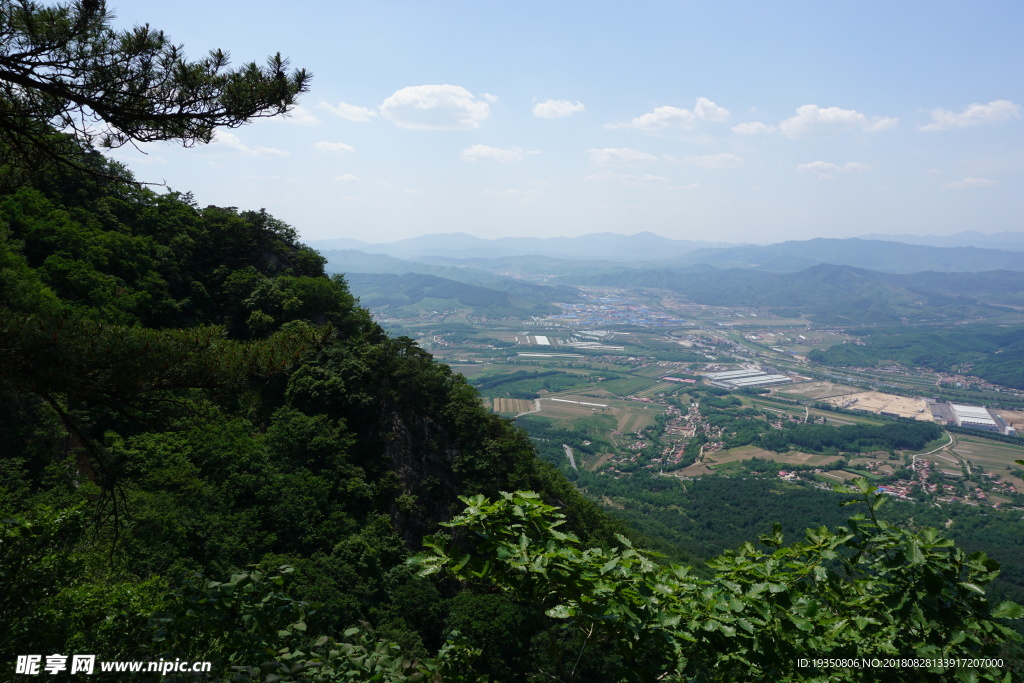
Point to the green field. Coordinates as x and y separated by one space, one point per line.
659 388
751 451
988 454
630 422
626 386
469 369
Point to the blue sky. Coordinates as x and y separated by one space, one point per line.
727 121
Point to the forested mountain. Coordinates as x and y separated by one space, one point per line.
210 453
183 391
1005 241
410 294
886 256
647 250
830 294
995 353
521 294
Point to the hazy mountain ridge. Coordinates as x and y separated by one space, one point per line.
372 279
561 255
409 293
607 245
829 293
893 257
1006 241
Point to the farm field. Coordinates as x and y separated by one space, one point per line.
626 386
988 454
629 415
820 390
637 419
512 405
468 369
790 458
841 475
1015 418
659 388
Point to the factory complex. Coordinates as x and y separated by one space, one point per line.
973 417
742 379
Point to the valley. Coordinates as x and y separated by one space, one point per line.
626 370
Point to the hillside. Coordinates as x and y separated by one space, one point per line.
184 391
412 294
466 285
829 294
885 256
211 453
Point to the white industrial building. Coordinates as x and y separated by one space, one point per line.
741 379
977 417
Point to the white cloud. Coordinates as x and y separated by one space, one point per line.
556 109
346 178
661 117
723 160
231 141
996 111
333 147
814 121
436 107
880 123
709 111
300 116
970 183
485 153
351 112
753 128
619 156
665 117
826 169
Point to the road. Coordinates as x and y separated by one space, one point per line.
536 408
568 452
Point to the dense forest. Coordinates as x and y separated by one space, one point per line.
185 392
994 353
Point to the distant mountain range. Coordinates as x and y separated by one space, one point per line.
1007 241
890 257
643 246
407 287
561 255
839 281
835 294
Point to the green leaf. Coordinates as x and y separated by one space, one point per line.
1008 610
561 612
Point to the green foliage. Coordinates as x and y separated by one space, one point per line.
866 590
993 353
64 67
902 435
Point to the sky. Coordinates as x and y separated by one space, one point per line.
719 121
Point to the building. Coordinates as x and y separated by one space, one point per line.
741 379
976 417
